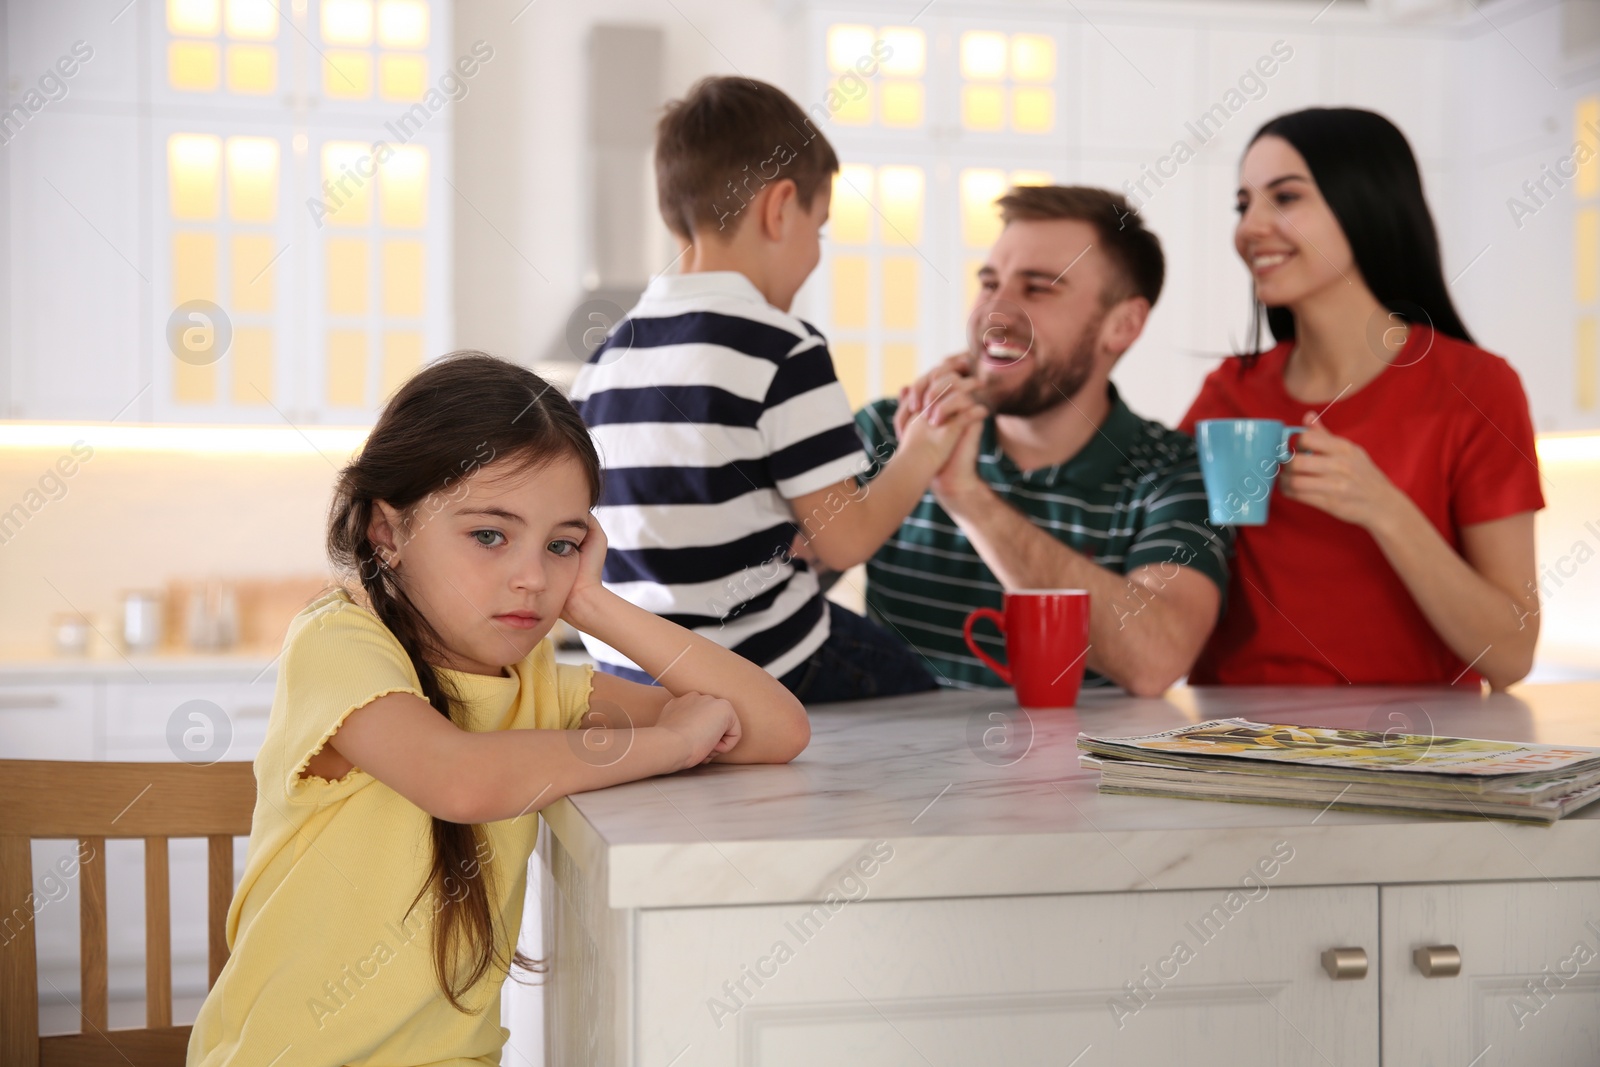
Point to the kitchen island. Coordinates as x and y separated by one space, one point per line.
936 881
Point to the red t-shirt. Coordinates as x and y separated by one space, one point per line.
1312 600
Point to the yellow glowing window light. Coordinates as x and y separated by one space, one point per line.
252 68
1586 369
402 77
900 196
900 292
402 279
347 75
347 175
1033 109
403 24
1032 177
194 163
346 380
908 51
1586 249
983 107
846 44
983 55
1033 57
193 66
403 184
346 281
901 104
980 222
254 283
252 179
347 22
850 211
850 294
251 20
194 18
402 355
1586 124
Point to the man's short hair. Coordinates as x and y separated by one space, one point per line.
722 143
1134 252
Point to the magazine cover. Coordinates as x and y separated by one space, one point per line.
1356 750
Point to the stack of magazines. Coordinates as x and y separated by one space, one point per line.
1354 770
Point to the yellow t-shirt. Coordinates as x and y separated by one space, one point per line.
324 963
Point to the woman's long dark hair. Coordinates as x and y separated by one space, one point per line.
462 412
1366 171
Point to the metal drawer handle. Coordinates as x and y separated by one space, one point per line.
1438 961
25 701
1344 964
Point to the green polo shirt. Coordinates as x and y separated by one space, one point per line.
1132 497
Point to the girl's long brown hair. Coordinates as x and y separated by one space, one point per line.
462 412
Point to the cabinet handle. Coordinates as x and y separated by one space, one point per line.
26 701
1345 963
1438 961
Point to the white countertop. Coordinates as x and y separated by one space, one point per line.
912 771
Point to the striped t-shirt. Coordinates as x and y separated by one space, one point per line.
712 409
1131 497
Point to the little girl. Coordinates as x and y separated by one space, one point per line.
421 719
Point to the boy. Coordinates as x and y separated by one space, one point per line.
723 426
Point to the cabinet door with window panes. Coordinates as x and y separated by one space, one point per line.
932 123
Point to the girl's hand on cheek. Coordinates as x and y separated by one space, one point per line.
591 559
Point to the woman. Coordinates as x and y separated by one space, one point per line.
1401 548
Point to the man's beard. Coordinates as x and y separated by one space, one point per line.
1049 384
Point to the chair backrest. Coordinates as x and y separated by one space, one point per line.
91 802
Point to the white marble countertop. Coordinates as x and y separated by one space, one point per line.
1016 817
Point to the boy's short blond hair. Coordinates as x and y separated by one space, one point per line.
727 140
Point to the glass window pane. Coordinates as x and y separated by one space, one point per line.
252 179
849 292
252 20
347 22
850 100
252 68
900 104
194 163
980 221
983 55
194 267
194 18
193 66
253 272
850 364
194 384
1032 177
900 199
403 181
402 24
983 107
908 51
847 43
900 293
347 75
347 368
403 78
251 356
1587 368
849 212
347 172
1033 57
899 367
1586 271
1587 132
402 279
402 355
971 283
346 279
1033 110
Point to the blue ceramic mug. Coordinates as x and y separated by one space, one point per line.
1239 460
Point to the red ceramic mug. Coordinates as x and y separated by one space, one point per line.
1047 638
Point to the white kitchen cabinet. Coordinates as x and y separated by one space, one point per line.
48 721
1015 980
1528 990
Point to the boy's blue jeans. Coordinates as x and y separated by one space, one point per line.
859 660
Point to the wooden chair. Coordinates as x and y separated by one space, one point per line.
91 802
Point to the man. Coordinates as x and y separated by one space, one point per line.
1063 487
